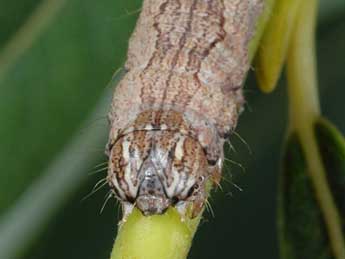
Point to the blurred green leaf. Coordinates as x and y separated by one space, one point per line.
302 226
332 146
52 73
50 89
24 221
13 15
331 9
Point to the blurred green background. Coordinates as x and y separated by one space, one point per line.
56 60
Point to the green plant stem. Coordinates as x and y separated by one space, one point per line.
155 237
304 110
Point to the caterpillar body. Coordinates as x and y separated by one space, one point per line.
178 101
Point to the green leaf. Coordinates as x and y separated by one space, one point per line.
53 72
48 91
13 15
332 146
302 229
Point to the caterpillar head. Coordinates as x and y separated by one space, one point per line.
153 170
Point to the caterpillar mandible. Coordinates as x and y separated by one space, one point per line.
178 101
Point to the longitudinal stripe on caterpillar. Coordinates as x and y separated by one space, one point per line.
180 98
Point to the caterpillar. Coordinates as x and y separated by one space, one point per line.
178 102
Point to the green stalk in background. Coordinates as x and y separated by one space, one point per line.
304 110
308 205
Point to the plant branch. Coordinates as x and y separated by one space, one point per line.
304 110
155 237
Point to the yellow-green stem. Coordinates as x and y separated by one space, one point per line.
304 110
155 237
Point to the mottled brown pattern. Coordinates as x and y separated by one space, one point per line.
117 164
166 141
173 120
187 61
191 55
142 143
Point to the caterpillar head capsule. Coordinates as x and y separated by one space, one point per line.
155 169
